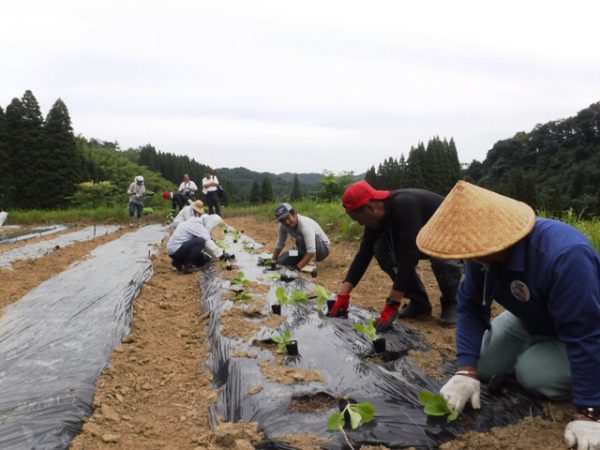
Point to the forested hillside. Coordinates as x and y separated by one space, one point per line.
554 167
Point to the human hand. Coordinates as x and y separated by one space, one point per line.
582 435
388 315
340 307
459 390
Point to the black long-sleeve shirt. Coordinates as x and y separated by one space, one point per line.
406 211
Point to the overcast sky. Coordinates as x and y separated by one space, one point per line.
307 85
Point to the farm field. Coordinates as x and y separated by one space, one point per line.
155 394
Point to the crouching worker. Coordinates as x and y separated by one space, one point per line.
546 275
392 220
191 247
310 241
177 200
186 213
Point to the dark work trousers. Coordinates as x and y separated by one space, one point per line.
191 252
179 201
322 252
447 273
135 209
212 200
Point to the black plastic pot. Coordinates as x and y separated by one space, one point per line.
379 345
276 309
330 304
292 348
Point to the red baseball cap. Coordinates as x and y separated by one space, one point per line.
359 194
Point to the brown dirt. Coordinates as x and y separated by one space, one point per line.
155 394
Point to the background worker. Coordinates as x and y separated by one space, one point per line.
546 275
210 188
188 188
310 241
177 200
392 220
191 247
187 212
136 191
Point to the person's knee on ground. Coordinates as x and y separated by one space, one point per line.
544 369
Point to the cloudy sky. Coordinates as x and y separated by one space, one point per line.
302 86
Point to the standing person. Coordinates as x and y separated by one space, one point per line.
310 241
190 246
136 191
546 275
210 186
392 220
187 188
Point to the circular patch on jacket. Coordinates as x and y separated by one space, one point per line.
520 291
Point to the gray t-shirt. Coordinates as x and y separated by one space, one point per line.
308 228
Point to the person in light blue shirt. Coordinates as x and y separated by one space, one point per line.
546 274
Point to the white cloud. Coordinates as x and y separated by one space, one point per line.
305 86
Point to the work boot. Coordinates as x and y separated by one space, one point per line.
448 316
418 307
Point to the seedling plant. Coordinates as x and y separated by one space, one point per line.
240 279
221 244
282 340
283 299
242 296
359 413
322 295
435 405
368 330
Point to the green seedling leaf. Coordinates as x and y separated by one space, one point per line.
221 244
281 297
355 418
368 330
366 411
282 340
299 296
243 296
335 422
240 279
322 295
436 405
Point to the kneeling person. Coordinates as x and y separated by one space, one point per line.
310 239
190 246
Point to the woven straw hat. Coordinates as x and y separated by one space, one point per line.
473 222
198 206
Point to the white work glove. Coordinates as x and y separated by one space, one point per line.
459 390
583 435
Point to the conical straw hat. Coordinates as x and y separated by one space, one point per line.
473 222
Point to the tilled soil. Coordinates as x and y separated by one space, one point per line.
155 394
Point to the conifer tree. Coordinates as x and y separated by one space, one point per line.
5 178
372 178
415 173
64 164
296 192
27 159
255 193
266 190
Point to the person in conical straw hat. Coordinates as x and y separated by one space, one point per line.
546 275
188 211
391 222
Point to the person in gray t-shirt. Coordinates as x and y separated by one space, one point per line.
310 241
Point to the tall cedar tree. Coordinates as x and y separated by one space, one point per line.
255 193
296 192
5 179
27 158
64 163
266 190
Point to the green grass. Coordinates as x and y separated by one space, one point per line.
591 228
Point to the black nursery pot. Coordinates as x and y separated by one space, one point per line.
330 304
292 348
379 345
276 309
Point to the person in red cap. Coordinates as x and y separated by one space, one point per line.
392 220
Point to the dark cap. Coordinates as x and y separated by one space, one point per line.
283 210
360 193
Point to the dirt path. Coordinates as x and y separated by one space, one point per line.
156 393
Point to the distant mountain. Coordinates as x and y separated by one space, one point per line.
241 180
554 167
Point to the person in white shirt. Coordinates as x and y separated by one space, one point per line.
136 191
186 213
210 188
187 187
310 241
191 247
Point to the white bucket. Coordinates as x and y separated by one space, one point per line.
3 216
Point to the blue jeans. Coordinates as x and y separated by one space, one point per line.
540 363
